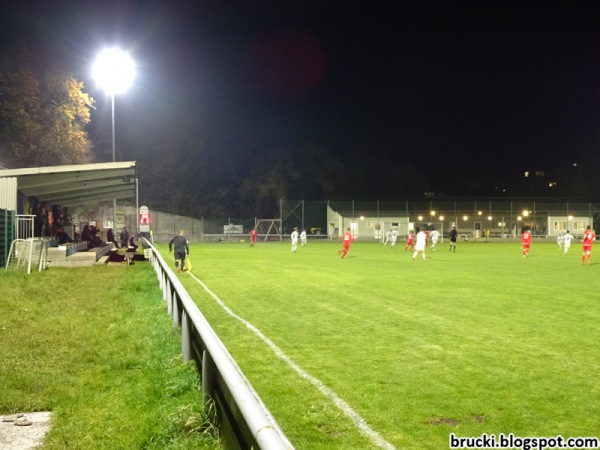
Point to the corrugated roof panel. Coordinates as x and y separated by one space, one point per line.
76 185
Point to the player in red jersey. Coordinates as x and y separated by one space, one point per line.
526 242
253 234
410 241
346 239
588 238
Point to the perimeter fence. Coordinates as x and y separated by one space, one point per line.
475 218
371 218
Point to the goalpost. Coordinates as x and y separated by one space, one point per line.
269 227
26 249
25 252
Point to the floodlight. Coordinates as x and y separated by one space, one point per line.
113 71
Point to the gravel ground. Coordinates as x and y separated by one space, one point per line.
24 431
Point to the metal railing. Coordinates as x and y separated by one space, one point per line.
245 422
25 226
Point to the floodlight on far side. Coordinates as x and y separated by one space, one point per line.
113 71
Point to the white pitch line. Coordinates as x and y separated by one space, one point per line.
358 421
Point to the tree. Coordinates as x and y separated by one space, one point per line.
43 113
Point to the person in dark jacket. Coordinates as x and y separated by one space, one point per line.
182 249
453 237
110 237
62 237
124 237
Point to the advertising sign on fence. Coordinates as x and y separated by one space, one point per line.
144 219
233 229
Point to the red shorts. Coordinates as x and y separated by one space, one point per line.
587 248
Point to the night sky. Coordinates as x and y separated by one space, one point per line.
450 97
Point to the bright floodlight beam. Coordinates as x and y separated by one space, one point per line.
113 72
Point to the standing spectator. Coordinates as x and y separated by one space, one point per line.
253 234
110 237
421 244
435 235
453 238
526 242
588 239
182 248
294 237
410 241
566 240
303 237
347 238
124 237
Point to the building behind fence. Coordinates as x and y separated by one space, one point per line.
472 218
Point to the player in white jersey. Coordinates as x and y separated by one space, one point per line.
394 236
421 244
303 238
435 236
294 238
559 240
388 237
566 241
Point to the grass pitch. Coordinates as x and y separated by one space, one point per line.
478 341
95 346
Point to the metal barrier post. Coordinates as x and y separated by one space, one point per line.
185 337
208 380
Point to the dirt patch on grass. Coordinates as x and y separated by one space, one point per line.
444 421
24 431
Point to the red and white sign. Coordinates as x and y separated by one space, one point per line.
144 219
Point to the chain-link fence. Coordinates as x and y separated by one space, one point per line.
372 218
474 218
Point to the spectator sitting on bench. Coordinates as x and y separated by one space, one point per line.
88 234
62 237
110 237
85 233
132 244
94 240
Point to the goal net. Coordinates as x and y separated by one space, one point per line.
26 254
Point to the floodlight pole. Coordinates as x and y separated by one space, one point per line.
137 207
112 101
114 72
